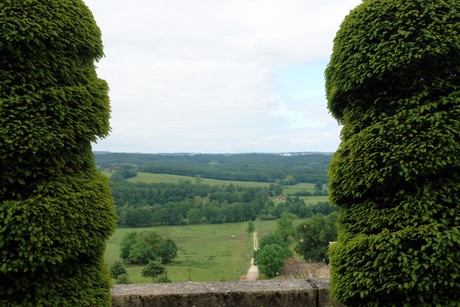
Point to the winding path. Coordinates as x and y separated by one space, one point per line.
253 272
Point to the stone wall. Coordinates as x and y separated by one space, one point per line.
289 293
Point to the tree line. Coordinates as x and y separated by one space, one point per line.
155 204
310 168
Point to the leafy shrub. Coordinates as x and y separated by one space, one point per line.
123 279
117 269
157 271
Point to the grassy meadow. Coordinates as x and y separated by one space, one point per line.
288 190
209 252
167 178
206 252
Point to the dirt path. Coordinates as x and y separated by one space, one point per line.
253 272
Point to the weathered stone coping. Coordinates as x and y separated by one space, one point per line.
289 293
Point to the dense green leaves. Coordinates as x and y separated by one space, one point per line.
393 82
271 259
52 102
146 246
273 249
117 269
288 170
315 235
140 204
156 271
393 43
56 211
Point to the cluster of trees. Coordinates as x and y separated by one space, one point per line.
274 248
140 204
310 240
287 170
154 269
145 248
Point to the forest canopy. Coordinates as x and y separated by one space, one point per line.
289 168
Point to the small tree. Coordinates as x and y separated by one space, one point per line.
285 227
393 82
314 236
271 259
251 228
117 269
272 254
157 271
123 279
167 251
162 279
56 210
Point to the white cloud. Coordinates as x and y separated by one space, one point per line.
205 75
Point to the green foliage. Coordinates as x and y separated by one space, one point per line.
56 211
285 227
167 251
271 258
314 236
251 228
143 204
203 251
123 279
140 204
273 251
156 271
308 167
117 269
273 238
146 246
162 279
153 269
127 243
394 83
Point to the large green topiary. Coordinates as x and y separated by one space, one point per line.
55 208
393 82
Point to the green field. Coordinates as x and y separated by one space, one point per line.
288 190
166 178
206 252
299 187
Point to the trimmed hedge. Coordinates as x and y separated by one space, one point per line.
393 82
56 210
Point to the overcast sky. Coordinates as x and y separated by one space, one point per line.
218 76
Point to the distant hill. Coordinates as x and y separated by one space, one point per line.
288 168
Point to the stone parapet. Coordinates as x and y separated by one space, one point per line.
289 293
